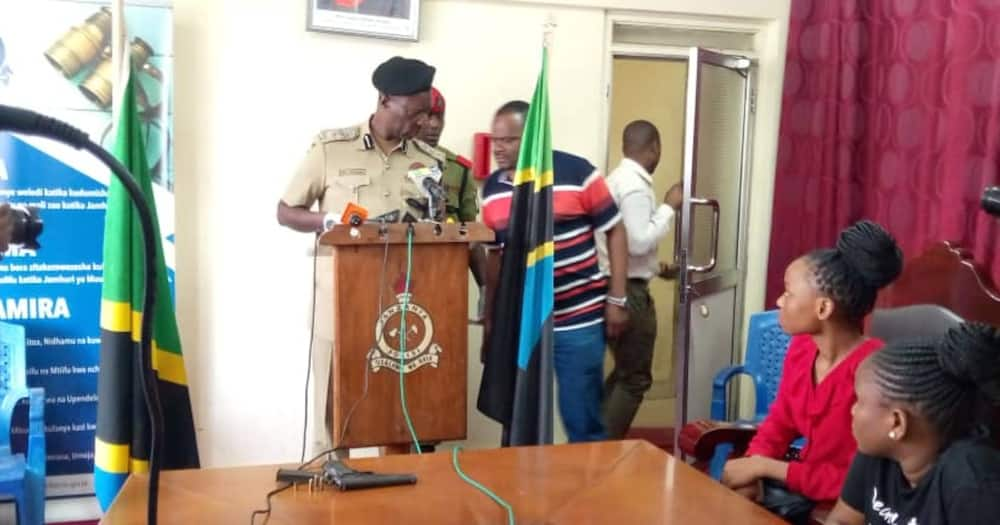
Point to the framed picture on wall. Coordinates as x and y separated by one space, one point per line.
399 19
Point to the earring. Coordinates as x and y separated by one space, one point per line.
892 434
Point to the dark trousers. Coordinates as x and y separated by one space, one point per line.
632 375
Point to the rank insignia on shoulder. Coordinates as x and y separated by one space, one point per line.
338 135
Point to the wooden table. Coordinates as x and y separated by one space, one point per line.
616 482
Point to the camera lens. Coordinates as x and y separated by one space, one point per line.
27 227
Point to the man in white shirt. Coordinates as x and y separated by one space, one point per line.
647 222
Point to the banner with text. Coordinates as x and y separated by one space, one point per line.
54 59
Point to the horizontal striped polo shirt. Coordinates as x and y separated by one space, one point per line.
581 205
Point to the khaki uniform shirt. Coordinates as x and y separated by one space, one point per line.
346 165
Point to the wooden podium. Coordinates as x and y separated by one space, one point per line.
367 338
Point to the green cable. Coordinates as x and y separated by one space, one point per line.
402 337
480 487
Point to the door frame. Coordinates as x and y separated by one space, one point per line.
765 72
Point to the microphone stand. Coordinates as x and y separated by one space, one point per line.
30 123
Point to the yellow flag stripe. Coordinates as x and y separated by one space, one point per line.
115 459
111 458
524 176
546 180
138 465
116 316
541 252
169 366
119 317
529 175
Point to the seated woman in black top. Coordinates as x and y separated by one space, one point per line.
922 457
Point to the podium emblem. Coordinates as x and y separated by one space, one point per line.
420 348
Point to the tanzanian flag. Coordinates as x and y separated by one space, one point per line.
123 432
516 389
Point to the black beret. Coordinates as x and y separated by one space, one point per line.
403 76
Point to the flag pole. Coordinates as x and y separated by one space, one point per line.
119 59
121 63
548 31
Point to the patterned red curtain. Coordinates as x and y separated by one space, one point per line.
891 112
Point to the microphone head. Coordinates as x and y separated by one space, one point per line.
433 187
388 217
991 201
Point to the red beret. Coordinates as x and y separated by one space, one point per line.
437 102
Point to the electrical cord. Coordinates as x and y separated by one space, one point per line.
364 394
479 486
402 350
267 512
402 338
312 336
364 390
305 464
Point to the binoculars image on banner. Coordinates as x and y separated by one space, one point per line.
78 50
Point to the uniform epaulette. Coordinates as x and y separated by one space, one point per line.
466 163
431 151
338 135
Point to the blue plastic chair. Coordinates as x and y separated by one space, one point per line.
20 477
767 345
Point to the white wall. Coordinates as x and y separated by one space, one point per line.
252 87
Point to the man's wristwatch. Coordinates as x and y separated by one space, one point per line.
617 301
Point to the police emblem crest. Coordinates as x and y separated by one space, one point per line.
415 347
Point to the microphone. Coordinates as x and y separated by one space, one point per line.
354 214
389 217
28 122
991 201
428 180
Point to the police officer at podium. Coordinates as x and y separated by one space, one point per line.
366 165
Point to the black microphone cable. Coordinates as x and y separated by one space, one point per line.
312 336
31 123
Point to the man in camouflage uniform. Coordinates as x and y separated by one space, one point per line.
456 178
365 164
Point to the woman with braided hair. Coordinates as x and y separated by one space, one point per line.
922 458
828 294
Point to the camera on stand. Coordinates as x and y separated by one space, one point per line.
27 226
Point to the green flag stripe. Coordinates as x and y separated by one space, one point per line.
123 430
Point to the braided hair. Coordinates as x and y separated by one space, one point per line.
865 259
952 382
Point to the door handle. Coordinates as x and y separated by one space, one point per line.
714 204
677 239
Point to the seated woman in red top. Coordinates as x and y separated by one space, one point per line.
828 294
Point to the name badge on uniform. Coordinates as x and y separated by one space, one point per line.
347 172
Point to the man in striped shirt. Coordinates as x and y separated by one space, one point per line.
589 307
